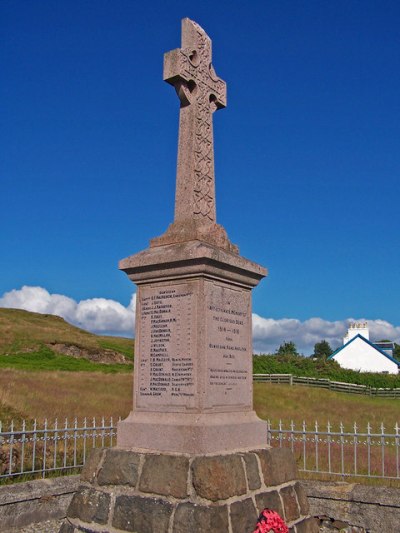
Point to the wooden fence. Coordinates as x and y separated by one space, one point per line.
323 383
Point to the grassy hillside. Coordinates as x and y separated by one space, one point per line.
35 341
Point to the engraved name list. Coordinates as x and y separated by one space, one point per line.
165 340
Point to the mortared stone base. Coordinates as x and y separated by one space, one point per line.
126 490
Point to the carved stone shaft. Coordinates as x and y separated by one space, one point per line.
201 92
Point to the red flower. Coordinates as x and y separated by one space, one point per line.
270 521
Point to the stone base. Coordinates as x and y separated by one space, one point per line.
125 490
199 433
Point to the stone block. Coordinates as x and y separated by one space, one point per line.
252 473
90 505
67 528
120 467
309 525
200 519
302 499
290 505
219 477
269 500
166 475
145 515
277 465
243 516
90 468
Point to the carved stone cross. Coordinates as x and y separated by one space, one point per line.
201 92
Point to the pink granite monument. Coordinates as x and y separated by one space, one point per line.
191 457
193 350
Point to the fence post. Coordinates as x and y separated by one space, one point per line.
304 445
65 439
328 429
23 446
292 435
369 447
342 447
55 443
44 448
355 448
396 442
383 449
11 447
111 432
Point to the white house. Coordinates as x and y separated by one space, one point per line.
359 353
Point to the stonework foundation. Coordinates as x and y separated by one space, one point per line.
125 490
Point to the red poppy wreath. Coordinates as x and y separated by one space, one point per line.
270 521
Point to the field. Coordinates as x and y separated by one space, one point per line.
59 394
64 394
299 403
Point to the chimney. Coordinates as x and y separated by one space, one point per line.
356 328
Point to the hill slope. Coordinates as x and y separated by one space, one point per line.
23 332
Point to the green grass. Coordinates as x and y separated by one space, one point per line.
44 359
307 367
118 344
39 342
298 403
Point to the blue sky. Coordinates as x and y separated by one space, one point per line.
306 152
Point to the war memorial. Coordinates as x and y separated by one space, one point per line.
192 454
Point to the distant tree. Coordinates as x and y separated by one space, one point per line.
322 350
396 351
287 348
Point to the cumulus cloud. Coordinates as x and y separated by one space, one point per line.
269 333
101 315
98 315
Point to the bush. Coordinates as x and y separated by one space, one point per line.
320 368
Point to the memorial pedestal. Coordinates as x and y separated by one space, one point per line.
193 360
181 493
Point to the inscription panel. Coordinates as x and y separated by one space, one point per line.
228 338
166 367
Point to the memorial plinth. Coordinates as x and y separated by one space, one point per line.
191 457
193 362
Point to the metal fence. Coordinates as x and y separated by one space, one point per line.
32 450
340 452
324 383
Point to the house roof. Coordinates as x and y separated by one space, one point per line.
385 354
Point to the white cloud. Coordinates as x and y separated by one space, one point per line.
100 315
268 333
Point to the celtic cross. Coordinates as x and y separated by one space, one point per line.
201 92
